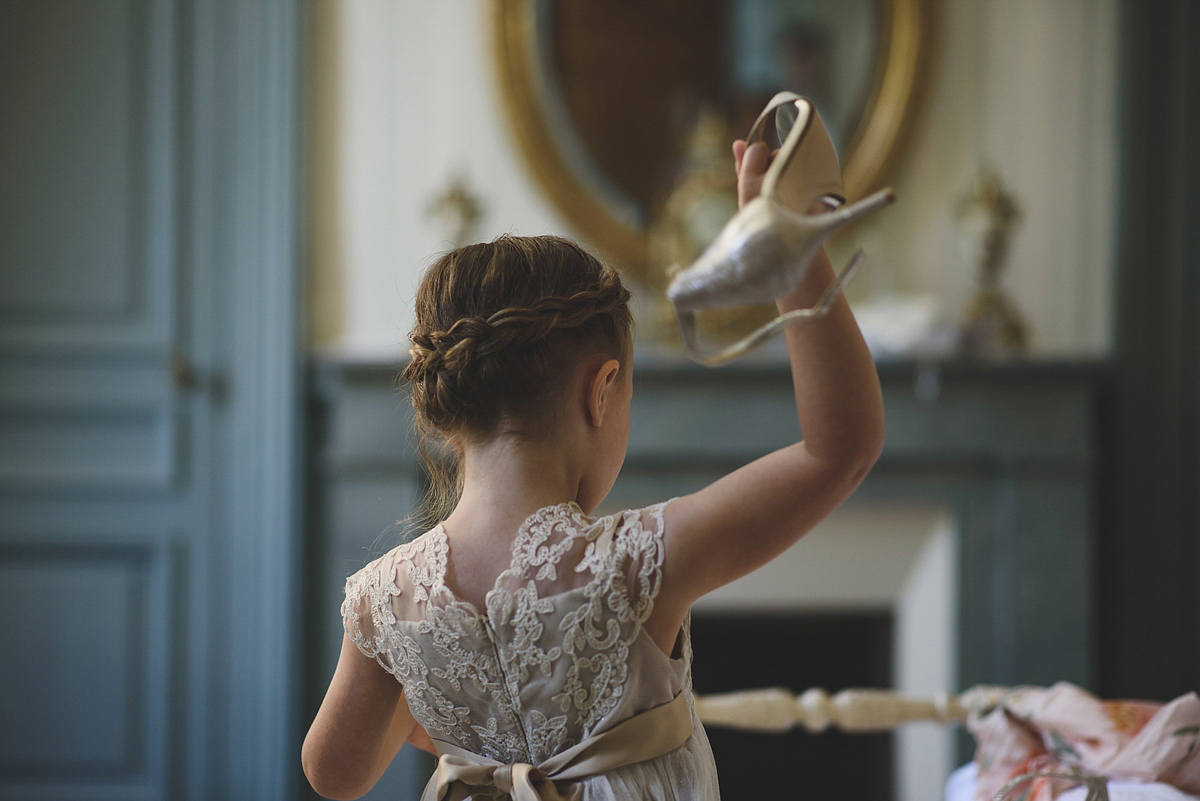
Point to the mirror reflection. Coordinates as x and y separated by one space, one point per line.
625 86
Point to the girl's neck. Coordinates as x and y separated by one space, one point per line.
508 478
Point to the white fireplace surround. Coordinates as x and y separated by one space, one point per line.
873 557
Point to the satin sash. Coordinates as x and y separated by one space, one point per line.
461 774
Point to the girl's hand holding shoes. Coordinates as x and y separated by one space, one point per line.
751 164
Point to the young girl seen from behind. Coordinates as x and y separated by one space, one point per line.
541 652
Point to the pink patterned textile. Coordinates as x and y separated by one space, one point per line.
1037 730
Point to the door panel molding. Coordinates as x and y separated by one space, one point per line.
93 618
86 157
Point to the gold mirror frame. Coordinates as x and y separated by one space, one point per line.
871 155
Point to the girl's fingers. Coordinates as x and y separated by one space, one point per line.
755 160
752 162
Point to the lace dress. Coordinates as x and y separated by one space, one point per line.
558 656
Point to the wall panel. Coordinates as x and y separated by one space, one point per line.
87 664
88 423
84 232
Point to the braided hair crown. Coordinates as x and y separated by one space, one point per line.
498 324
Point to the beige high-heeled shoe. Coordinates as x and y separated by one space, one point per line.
764 252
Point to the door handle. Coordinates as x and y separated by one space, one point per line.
183 375
186 378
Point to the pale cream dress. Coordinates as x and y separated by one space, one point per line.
558 655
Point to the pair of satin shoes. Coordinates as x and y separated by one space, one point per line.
764 252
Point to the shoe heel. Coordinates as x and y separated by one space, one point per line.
829 223
868 205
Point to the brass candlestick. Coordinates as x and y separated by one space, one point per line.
458 210
991 325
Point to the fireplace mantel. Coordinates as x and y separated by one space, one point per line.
1009 448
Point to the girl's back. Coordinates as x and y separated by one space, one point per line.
558 654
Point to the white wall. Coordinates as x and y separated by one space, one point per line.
404 97
412 102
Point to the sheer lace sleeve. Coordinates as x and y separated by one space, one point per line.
367 612
639 549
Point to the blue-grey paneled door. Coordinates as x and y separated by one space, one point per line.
147 398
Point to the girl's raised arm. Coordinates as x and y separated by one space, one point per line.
755 513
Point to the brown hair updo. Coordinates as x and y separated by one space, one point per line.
497 327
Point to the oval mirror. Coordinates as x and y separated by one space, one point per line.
610 99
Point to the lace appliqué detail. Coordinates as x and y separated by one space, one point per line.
446 649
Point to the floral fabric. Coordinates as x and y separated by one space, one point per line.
1064 727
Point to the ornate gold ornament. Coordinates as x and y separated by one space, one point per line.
987 215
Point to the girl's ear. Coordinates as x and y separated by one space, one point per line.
598 386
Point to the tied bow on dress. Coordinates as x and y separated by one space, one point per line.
461 774
459 778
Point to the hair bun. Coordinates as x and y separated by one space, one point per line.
497 323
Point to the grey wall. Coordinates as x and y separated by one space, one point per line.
1150 579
